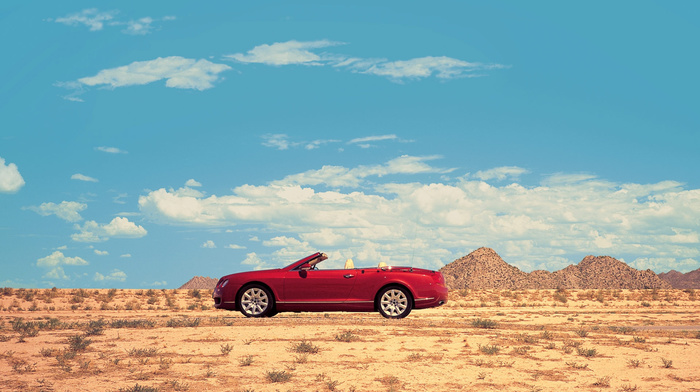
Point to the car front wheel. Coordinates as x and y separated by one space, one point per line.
395 302
256 301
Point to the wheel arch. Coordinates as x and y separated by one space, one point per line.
394 284
259 283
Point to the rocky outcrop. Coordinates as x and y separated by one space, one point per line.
679 280
201 283
485 269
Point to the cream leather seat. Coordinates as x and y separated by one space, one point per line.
382 265
349 264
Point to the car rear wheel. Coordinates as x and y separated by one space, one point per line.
395 302
256 301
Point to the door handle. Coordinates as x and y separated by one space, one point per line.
348 276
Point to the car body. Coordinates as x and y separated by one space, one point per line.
302 287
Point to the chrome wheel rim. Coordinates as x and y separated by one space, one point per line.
254 301
394 302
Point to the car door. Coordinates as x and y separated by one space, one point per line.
318 286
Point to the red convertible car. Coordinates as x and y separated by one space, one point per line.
303 287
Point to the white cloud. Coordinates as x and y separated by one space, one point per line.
281 141
158 283
278 141
101 252
296 52
57 258
373 139
111 150
442 67
192 183
255 261
66 210
336 176
541 226
82 177
500 173
56 273
92 18
10 179
662 264
285 53
234 246
96 21
115 275
140 26
209 244
126 255
178 72
119 227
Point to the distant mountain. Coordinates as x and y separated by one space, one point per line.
689 280
201 283
485 269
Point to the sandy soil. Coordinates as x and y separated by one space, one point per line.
498 340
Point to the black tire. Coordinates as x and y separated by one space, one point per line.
255 300
394 302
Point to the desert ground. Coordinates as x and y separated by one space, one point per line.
486 340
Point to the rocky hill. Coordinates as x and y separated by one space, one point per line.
485 269
689 280
201 283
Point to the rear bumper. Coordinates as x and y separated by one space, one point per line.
437 298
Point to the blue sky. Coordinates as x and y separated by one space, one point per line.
144 143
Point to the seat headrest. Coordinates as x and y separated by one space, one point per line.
349 264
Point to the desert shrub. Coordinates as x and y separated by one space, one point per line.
484 323
560 295
667 363
226 349
78 343
138 388
95 327
183 322
138 323
525 338
278 376
142 352
602 382
304 347
21 366
195 293
414 357
587 352
133 305
178 386
246 361
347 336
165 363
634 363
582 333
489 349
8 291
577 366
25 329
392 382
